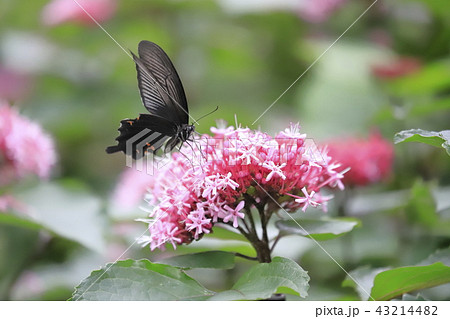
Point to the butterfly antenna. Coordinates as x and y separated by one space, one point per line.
217 107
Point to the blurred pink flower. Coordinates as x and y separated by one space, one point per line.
8 202
240 168
402 66
24 147
13 85
61 11
131 188
370 160
319 10
29 285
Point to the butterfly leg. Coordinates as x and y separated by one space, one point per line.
200 150
190 162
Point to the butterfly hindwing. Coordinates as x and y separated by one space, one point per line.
160 87
147 133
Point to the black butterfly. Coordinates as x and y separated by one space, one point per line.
163 96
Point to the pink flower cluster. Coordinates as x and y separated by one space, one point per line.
60 11
238 169
370 160
24 147
319 10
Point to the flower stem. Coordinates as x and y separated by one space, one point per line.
264 220
249 201
261 246
249 236
262 251
275 242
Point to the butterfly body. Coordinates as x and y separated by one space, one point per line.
163 96
183 134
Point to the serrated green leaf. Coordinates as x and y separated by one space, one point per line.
207 259
139 280
318 229
263 280
446 137
418 135
437 139
395 282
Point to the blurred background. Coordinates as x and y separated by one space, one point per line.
62 73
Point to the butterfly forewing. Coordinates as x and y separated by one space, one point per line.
163 96
159 84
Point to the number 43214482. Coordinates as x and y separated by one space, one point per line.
405 310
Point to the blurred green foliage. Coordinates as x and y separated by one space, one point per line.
84 84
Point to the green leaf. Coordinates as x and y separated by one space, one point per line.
226 234
395 282
282 275
362 280
13 220
74 215
318 229
437 139
208 259
418 135
421 208
139 280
